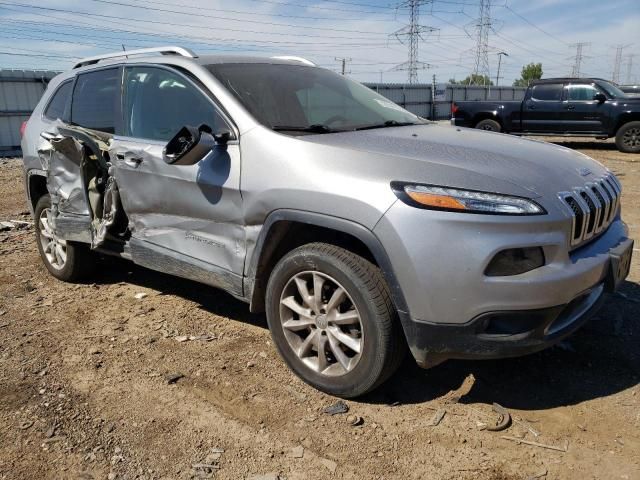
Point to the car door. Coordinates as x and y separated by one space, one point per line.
189 212
541 109
581 113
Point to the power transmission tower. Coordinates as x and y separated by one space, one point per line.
343 61
617 63
629 67
411 35
575 71
483 26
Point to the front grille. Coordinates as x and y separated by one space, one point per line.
592 207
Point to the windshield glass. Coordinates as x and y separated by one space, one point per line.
303 99
611 89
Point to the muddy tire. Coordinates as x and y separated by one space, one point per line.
65 260
333 321
628 138
489 125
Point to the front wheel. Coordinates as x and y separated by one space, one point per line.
628 138
65 260
332 320
489 125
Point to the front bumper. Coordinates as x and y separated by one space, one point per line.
455 311
504 333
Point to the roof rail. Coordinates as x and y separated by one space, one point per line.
184 52
295 59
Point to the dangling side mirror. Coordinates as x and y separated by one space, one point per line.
189 146
600 97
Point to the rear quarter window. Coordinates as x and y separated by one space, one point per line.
95 97
547 92
57 106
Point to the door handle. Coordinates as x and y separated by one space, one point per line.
130 158
571 107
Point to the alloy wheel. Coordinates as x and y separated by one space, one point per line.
631 138
321 323
54 249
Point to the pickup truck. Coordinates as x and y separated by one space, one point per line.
581 107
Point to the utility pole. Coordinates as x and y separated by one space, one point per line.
343 61
500 54
575 71
483 26
629 67
412 34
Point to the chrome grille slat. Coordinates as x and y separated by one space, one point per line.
592 207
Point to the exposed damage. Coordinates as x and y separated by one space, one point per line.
85 201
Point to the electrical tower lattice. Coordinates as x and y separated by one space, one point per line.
411 35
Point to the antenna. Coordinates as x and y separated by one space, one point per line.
575 71
412 34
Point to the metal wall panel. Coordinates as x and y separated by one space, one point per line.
20 91
417 98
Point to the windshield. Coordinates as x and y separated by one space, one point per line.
301 99
611 89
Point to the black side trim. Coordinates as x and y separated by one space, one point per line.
358 231
167 261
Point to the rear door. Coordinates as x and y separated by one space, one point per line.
581 113
194 211
541 110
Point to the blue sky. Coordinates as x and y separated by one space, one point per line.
50 34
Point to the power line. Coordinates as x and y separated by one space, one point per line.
412 34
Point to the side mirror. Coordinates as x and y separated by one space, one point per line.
600 97
189 146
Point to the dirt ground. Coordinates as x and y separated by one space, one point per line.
84 391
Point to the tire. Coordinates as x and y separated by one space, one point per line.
376 332
73 261
489 125
628 138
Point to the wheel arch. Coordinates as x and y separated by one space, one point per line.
626 118
36 187
478 117
285 230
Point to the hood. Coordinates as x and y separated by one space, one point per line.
422 153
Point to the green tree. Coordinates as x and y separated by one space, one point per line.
530 72
473 79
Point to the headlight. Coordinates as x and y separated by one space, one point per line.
468 201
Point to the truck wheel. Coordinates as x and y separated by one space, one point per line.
65 260
628 138
331 317
489 125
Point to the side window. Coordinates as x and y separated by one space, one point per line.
59 101
580 93
547 92
159 102
94 100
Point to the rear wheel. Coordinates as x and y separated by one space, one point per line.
628 138
332 320
65 260
489 125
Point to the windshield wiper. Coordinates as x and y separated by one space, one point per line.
388 123
315 128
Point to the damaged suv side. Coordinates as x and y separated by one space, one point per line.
359 228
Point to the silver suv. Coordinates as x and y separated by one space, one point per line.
360 228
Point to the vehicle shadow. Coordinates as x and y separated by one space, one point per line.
586 145
599 360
